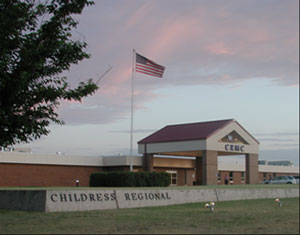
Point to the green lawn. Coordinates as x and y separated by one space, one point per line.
262 216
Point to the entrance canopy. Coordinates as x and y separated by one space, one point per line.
227 137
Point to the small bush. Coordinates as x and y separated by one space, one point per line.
129 179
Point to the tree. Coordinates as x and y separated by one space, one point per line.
36 46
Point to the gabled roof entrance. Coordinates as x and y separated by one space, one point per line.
227 137
205 141
184 132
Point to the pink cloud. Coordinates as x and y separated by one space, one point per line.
115 83
138 15
259 36
172 35
192 41
219 49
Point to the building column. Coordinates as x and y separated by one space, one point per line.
251 168
209 167
148 162
198 170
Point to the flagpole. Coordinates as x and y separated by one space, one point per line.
131 131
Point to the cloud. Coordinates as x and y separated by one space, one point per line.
219 49
291 133
199 43
138 16
279 140
292 155
135 131
275 140
295 145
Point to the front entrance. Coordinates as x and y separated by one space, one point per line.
204 141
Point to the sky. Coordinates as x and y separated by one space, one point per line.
224 59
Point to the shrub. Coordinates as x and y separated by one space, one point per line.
129 179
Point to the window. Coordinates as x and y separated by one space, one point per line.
265 176
231 177
243 176
173 177
219 176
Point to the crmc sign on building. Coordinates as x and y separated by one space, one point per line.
205 141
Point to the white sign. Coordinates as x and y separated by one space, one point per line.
84 200
76 200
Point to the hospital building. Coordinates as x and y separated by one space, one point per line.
188 152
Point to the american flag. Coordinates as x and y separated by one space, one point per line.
146 66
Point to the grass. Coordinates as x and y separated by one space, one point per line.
262 216
238 186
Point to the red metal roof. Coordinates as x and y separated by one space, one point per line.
184 132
